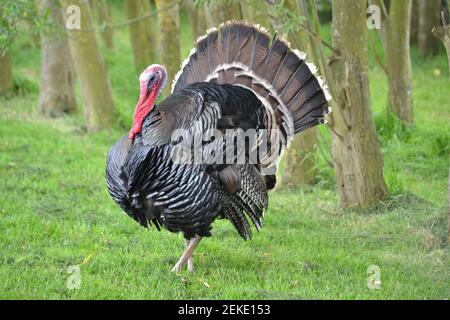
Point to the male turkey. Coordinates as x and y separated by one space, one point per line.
237 80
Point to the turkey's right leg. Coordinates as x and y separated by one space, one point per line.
187 255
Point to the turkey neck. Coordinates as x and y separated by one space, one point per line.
177 111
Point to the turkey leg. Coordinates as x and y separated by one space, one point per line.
190 262
186 257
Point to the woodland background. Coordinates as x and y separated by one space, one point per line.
369 191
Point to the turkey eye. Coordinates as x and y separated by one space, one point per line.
151 82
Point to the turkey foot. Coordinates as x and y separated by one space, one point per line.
186 257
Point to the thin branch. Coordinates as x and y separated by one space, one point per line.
315 36
377 56
381 4
340 136
130 21
382 33
321 141
444 18
329 77
150 14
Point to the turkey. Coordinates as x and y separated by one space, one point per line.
210 149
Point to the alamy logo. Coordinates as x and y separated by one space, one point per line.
232 146
374 279
374 19
73 17
74 278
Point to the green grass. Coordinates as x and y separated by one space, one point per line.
56 212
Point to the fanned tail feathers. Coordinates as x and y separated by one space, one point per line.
244 55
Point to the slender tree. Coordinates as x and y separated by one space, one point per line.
13 14
299 159
91 69
399 60
6 78
356 148
57 94
169 31
415 16
197 18
35 35
382 32
142 35
429 18
103 13
395 38
219 11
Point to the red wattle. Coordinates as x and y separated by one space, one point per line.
142 110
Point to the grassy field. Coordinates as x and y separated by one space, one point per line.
56 212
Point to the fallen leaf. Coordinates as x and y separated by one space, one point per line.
87 259
437 72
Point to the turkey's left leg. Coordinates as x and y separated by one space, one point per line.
190 262
187 255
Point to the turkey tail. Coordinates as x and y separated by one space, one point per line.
239 54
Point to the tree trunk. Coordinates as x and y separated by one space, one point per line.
219 11
57 94
299 159
399 61
6 78
196 18
169 26
429 18
142 35
415 17
356 148
256 11
91 70
103 12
